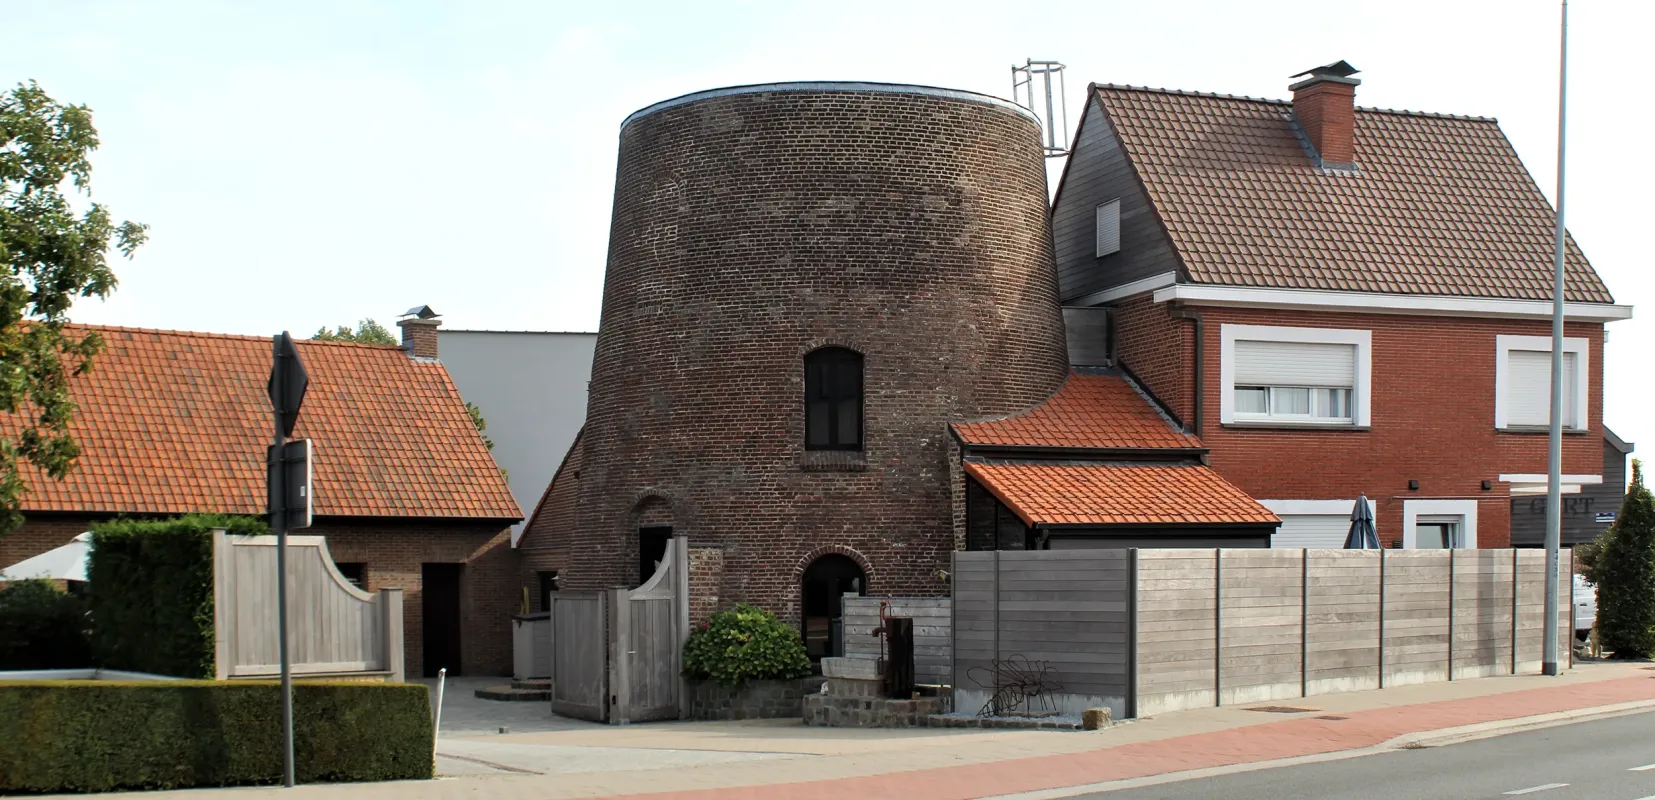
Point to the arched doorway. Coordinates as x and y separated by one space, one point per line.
826 581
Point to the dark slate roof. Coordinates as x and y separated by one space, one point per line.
1437 205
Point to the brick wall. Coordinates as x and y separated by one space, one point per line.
752 229
544 546
1159 349
1432 421
706 575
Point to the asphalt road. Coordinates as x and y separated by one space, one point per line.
1607 759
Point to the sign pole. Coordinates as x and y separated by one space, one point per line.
287 390
1554 437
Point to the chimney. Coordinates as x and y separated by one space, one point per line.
1325 106
419 331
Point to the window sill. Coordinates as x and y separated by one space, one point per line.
833 461
1294 426
1533 430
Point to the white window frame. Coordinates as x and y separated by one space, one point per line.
1505 343
1112 207
1361 393
1466 510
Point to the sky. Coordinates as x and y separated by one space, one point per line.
305 164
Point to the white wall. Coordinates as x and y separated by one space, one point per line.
531 388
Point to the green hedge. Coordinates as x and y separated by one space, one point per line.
42 627
95 736
742 644
152 592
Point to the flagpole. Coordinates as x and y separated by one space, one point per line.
1554 437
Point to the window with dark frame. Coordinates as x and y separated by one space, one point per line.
833 399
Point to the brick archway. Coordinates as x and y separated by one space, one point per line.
805 561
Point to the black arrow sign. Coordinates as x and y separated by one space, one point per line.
288 382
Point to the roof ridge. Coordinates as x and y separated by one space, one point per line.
1403 112
214 335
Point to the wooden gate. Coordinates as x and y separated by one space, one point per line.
579 666
617 655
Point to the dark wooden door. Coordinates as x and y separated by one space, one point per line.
440 589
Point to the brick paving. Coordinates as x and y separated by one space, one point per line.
1302 736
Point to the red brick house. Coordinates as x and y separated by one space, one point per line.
1336 300
172 422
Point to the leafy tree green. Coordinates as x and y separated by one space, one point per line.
482 424
1625 575
742 644
367 332
50 254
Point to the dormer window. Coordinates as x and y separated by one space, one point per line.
833 399
1109 228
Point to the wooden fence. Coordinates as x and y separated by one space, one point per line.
933 635
1068 610
334 628
617 655
1149 631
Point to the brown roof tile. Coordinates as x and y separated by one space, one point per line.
1115 494
1438 205
1091 411
173 422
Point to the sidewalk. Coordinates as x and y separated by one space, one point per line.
772 759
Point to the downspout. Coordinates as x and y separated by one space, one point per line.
1200 362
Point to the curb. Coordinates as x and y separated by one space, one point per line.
1436 738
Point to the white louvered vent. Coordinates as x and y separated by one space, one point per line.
1295 364
1529 388
1109 228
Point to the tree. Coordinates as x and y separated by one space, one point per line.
50 254
367 332
1624 570
482 424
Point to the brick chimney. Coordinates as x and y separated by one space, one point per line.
1325 106
419 331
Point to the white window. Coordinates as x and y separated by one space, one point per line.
1295 376
1523 380
1109 228
1439 524
1311 523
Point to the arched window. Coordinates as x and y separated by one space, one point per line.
833 399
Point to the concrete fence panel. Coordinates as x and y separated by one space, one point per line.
1342 621
1418 594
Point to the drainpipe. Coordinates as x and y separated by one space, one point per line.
1200 361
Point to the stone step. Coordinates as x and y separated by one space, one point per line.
509 693
541 684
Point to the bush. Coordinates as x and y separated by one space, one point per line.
1624 570
152 592
42 627
743 644
97 736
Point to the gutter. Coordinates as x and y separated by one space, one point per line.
1200 362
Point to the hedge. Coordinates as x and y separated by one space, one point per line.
42 627
152 592
96 736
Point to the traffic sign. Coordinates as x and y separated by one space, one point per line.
294 482
288 382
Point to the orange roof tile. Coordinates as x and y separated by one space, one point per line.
172 422
1116 494
1092 411
1438 204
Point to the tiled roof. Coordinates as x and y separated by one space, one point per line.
172 422
1116 494
1438 205
1093 411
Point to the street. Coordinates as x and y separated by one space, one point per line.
1607 759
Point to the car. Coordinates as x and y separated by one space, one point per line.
1586 607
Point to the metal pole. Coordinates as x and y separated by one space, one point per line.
278 522
1554 438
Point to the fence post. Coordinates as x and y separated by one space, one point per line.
1515 584
953 627
390 601
996 660
224 620
1132 633
1381 658
1304 625
1453 578
681 618
1218 626
1573 622
620 613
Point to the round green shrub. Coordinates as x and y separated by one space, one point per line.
744 644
